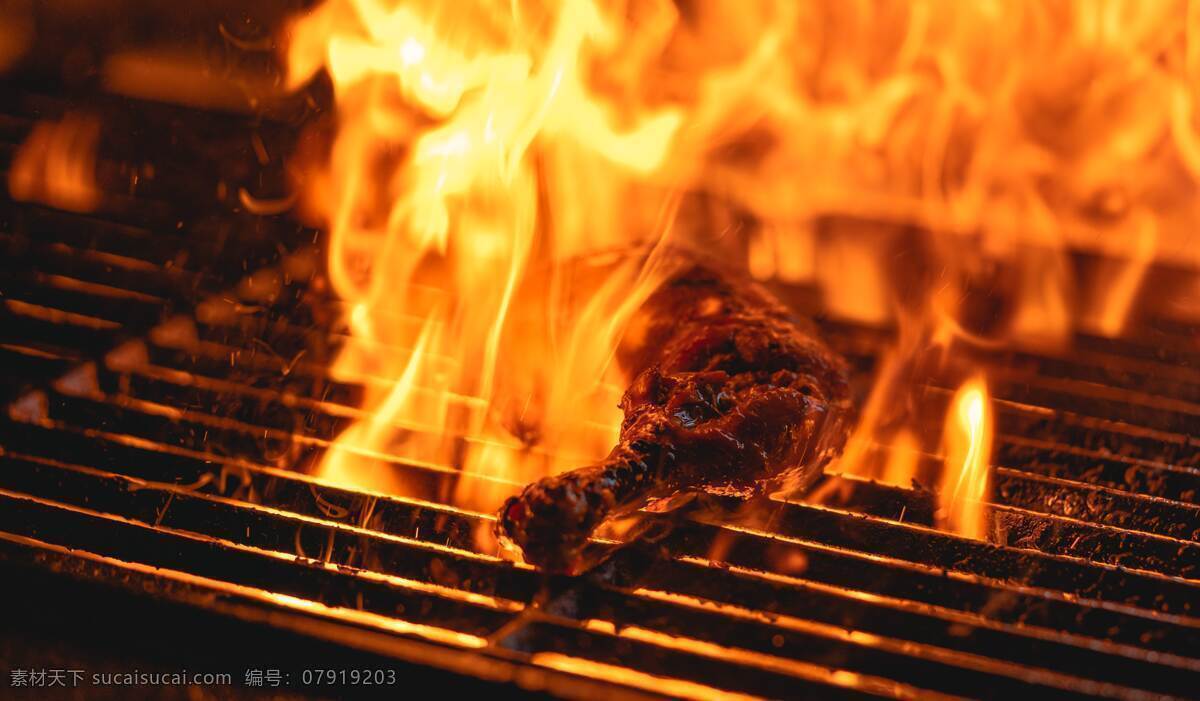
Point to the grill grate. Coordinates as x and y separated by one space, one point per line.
156 393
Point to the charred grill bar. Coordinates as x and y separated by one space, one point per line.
156 393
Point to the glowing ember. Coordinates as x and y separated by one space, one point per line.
57 164
967 443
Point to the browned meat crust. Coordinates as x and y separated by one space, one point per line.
729 393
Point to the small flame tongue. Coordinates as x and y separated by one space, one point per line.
967 445
57 164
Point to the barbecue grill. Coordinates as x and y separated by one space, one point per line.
163 366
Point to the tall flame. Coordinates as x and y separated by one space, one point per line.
458 130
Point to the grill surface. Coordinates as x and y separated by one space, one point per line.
162 361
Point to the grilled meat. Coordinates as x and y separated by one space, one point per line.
730 393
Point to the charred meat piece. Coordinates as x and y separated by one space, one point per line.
730 393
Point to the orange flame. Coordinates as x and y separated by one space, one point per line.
967 444
455 131
56 164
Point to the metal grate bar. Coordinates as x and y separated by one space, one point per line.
156 394
180 512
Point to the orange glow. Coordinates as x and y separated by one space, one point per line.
506 179
56 164
184 78
16 31
965 479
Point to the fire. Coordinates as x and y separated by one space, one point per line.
456 135
56 164
507 179
967 443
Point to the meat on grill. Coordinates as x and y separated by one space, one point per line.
729 393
